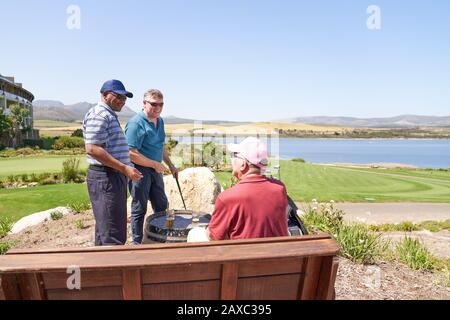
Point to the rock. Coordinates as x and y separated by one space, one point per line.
33 184
199 187
36 218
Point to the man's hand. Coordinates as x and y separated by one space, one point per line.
159 167
174 170
132 173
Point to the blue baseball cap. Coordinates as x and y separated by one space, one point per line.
115 86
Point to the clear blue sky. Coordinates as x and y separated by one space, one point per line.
237 60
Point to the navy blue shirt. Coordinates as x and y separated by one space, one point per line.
142 135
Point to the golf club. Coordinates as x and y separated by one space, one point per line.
181 194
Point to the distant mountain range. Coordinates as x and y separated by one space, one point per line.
56 110
403 121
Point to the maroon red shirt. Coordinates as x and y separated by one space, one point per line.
254 208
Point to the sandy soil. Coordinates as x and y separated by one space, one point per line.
387 281
354 281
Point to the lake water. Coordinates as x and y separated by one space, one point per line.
420 153
416 152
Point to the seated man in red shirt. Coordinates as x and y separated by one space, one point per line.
256 206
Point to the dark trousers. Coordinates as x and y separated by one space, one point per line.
149 188
108 194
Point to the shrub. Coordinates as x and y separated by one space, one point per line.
435 226
359 244
56 215
47 143
407 226
70 170
231 183
24 178
5 226
324 217
5 246
171 144
79 207
26 152
37 144
298 160
34 178
48 181
77 133
68 143
43 176
414 254
79 224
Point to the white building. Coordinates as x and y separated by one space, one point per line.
11 93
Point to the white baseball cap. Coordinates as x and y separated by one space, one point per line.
253 150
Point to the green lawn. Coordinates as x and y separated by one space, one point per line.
17 203
305 182
17 166
441 174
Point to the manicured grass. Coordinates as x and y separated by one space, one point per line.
17 203
39 164
441 174
305 182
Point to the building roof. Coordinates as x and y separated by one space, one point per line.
19 86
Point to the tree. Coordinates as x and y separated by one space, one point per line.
18 123
77 133
5 123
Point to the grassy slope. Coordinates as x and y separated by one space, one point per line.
18 203
16 166
306 182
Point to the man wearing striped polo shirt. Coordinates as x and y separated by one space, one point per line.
109 165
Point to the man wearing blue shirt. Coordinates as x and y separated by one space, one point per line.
146 136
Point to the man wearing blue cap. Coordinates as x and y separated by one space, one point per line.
109 165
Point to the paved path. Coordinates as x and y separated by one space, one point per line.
378 213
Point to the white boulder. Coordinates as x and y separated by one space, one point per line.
199 187
36 218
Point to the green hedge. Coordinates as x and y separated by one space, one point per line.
68 143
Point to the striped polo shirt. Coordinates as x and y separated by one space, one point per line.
101 127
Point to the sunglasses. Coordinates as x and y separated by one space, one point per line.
119 96
154 104
236 155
